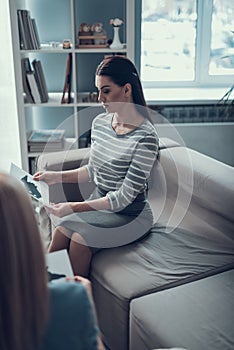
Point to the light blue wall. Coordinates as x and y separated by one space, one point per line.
53 19
91 11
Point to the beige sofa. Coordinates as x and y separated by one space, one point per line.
175 287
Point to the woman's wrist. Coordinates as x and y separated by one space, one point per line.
90 205
58 176
79 207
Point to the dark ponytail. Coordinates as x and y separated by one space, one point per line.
122 71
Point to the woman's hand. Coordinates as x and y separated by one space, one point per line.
50 177
86 283
60 209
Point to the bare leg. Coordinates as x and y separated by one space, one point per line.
60 239
80 255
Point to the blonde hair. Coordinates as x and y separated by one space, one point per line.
23 278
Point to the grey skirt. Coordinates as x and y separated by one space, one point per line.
107 229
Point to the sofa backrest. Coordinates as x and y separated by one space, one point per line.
191 190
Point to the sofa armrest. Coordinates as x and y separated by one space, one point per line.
66 160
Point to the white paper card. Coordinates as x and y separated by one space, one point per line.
58 264
39 190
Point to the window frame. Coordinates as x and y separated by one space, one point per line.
202 78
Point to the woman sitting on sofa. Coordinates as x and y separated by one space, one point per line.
35 314
123 150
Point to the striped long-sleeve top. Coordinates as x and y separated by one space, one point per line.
121 164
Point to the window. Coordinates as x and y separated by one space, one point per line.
187 42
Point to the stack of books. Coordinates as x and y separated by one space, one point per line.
46 140
34 83
28 33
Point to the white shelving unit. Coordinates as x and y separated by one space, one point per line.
53 113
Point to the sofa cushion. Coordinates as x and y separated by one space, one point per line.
198 315
159 261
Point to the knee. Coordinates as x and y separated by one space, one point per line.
76 238
60 230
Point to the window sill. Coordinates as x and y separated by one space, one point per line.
185 96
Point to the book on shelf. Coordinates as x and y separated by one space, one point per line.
26 68
66 97
28 32
22 34
34 33
46 139
30 76
34 83
40 78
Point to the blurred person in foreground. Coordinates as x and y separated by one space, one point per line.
36 314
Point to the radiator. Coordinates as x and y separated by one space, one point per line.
194 113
